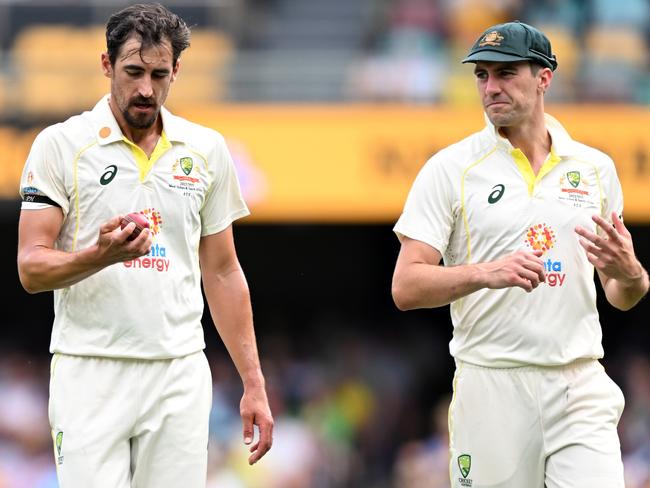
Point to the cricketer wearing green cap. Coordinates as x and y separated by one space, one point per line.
512 41
521 215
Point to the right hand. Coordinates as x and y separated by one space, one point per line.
112 242
523 269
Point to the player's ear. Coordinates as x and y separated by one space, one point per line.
544 76
107 67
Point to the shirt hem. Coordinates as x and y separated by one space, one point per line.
116 355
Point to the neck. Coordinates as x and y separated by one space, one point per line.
532 138
145 138
141 136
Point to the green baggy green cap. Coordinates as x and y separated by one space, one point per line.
510 42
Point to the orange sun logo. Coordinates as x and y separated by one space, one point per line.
540 237
155 219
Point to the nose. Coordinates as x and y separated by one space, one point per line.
492 86
145 87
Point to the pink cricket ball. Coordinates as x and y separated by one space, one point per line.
140 220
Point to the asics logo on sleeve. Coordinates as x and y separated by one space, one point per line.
108 175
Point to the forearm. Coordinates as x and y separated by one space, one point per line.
625 294
422 285
44 269
230 307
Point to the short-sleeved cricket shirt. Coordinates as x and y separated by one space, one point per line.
150 307
479 200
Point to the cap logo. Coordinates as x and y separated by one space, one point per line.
491 39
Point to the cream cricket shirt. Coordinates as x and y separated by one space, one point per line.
477 201
150 307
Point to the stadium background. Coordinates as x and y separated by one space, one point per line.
329 107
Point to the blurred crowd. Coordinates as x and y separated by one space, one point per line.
415 46
351 411
403 51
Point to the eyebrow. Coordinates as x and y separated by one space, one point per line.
140 68
497 66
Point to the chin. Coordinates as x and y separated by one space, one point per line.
500 120
141 122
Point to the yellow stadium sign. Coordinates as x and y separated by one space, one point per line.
356 163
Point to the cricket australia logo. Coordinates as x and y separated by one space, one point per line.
58 441
576 189
184 181
186 165
465 465
574 178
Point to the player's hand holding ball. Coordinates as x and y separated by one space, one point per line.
139 219
124 237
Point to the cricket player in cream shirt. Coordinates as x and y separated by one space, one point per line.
521 215
130 386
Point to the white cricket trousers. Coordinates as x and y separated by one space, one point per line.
535 427
129 423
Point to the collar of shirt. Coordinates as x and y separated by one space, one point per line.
562 144
108 130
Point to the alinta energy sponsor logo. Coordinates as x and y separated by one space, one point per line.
156 259
541 237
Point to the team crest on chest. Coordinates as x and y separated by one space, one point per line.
574 178
185 176
576 189
186 165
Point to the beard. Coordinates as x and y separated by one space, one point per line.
140 121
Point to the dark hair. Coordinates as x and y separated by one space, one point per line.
152 23
535 67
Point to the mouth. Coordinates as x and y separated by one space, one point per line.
143 106
496 103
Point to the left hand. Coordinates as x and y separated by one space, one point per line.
254 409
613 253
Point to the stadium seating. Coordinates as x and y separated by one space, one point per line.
58 69
565 47
614 59
202 73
